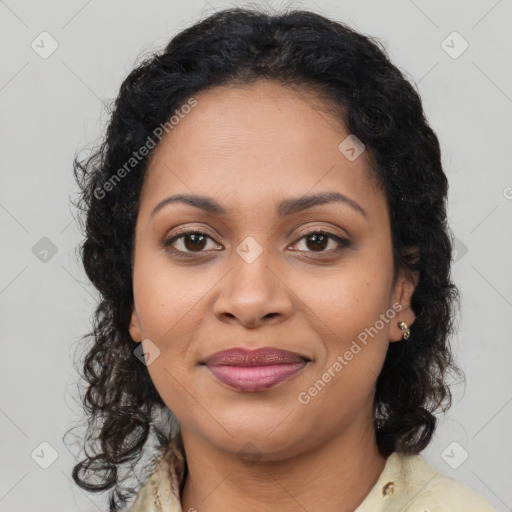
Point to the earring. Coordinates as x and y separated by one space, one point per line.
405 329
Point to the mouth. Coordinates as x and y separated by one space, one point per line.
254 370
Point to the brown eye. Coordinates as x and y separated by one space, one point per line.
188 242
318 241
194 241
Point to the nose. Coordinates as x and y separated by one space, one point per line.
253 294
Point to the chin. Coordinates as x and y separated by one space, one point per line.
258 441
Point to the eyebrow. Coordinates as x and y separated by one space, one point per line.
284 208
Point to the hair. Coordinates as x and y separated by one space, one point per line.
352 72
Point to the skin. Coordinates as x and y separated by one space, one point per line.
248 148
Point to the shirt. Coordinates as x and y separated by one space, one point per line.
408 483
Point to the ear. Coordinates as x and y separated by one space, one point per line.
135 327
405 285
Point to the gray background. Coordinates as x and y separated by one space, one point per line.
52 107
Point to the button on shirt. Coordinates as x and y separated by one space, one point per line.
407 484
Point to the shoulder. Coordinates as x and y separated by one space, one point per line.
443 493
410 484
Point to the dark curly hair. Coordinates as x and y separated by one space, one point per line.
354 75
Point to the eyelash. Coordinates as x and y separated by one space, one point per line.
343 243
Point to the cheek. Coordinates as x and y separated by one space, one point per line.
350 300
170 380
355 338
166 295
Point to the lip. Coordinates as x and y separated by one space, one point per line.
254 370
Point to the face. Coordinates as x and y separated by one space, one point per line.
265 268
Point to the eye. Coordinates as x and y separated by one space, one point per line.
318 241
188 242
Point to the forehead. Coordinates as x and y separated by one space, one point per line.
243 144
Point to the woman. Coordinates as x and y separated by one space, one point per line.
266 225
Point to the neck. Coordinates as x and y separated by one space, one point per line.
336 474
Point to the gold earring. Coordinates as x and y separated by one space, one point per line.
405 329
